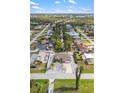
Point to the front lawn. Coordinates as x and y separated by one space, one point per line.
68 86
38 86
86 68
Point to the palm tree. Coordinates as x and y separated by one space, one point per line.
78 75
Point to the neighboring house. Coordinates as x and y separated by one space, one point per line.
50 45
79 46
49 33
71 31
38 27
42 46
76 37
73 34
33 58
68 26
89 58
43 56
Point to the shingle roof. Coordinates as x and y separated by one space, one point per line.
65 57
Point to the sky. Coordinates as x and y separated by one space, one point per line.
61 6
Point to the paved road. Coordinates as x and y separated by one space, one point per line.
60 76
43 31
85 36
39 34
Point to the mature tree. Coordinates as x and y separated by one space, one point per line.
33 47
67 45
58 45
67 42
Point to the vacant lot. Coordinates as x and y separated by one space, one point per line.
68 86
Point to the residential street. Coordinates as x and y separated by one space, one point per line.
39 34
35 38
60 76
85 36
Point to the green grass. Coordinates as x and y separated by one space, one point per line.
86 68
39 86
68 86
41 68
33 70
42 81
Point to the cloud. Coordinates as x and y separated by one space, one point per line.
57 2
69 10
72 1
33 3
38 8
87 10
84 10
64 1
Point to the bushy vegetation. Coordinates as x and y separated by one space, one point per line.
38 86
62 41
77 57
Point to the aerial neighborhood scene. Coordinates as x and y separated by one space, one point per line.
61 46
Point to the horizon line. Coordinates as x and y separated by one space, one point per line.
61 13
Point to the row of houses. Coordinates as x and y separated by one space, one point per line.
45 45
84 47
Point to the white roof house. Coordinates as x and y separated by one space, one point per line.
43 56
73 33
89 58
88 55
33 58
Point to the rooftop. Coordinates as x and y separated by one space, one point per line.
43 56
89 55
66 58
